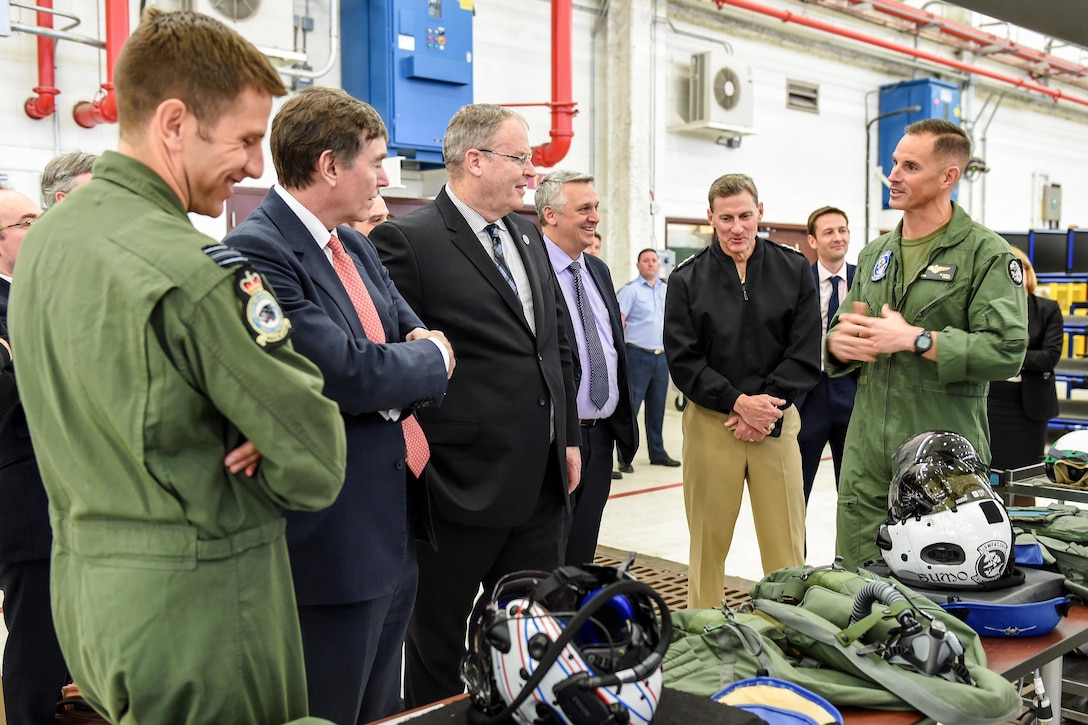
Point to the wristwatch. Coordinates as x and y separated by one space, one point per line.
923 342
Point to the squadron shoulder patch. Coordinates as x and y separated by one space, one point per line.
261 312
1016 272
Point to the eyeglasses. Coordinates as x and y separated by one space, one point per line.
521 160
25 223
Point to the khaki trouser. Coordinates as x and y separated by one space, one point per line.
716 466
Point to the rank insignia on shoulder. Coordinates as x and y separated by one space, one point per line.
225 256
260 310
686 262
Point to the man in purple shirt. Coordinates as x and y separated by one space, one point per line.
567 206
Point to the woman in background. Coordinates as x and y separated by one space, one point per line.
1018 409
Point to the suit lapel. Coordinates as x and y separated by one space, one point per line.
523 243
465 240
613 309
312 258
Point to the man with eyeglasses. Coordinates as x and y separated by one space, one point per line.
504 443
34 669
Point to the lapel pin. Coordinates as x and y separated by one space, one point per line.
525 238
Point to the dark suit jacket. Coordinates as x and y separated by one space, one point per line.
622 420
490 439
25 534
1045 337
847 385
9 393
355 549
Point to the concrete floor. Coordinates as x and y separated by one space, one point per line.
645 512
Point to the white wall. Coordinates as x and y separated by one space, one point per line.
799 160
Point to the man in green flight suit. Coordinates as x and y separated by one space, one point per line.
941 313
171 417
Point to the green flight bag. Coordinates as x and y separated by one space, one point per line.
799 631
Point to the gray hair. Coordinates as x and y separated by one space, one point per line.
60 174
731 185
549 192
471 127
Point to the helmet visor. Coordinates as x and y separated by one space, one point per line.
935 485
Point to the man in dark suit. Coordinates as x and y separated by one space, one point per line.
825 410
566 204
504 444
354 563
34 669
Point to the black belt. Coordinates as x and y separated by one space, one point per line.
645 349
590 422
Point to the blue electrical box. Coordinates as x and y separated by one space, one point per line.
937 99
412 61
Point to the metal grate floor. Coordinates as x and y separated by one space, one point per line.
669 578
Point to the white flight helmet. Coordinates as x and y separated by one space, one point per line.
1067 460
574 647
946 527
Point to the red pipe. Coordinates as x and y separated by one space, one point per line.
563 107
923 20
103 109
789 17
45 104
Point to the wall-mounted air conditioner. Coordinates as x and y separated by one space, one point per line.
268 24
720 101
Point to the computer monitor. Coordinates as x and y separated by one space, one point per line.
1078 253
1020 240
1050 251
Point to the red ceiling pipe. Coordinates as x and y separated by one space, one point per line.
103 109
563 107
984 42
45 104
789 17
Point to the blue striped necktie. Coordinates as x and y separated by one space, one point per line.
833 303
598 371
500 258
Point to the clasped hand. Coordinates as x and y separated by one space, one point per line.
754 416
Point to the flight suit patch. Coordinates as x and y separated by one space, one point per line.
939 272
880 269
1016 272
260 310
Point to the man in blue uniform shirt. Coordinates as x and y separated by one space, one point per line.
642 303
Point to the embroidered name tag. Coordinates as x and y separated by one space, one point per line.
939 272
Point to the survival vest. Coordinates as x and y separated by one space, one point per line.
799 629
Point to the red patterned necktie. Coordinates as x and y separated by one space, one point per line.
415 442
